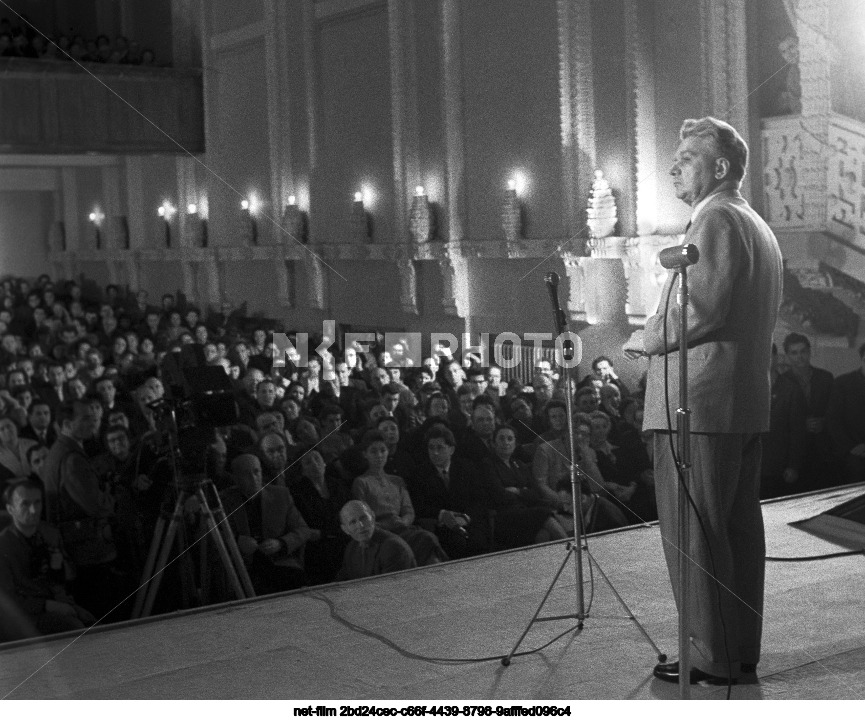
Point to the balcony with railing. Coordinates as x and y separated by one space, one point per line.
60 108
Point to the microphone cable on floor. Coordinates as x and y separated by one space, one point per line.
825 556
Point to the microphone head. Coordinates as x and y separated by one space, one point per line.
679 256
551 278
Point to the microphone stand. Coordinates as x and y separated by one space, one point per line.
576 544
683 435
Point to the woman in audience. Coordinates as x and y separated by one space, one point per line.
389 500
319 498
521 518
13 453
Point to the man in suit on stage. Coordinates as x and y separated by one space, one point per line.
735 291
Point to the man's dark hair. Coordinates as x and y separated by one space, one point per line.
598 360
484 400
386 419
555 403
439 431
795 339
37 401
389 389
25 482
114 429
33 449
433 396
66 411
862 351
369 438
499 429
329 409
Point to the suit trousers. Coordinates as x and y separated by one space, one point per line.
725 487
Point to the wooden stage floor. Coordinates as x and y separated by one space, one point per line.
413 635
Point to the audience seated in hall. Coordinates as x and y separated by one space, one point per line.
453 458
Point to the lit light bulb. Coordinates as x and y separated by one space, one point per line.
512 184
92 217
292 200
161 211
192 208
244 204
358 197
419 191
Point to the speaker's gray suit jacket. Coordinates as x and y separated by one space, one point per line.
735 292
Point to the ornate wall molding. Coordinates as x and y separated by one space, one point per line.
404 112
407 286
724 57
815 60
640 84
278 106
315 282
577 108
575 271
310 81
454 128
455 295
794 174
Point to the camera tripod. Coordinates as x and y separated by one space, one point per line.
170 532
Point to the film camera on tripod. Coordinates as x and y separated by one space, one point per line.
197 401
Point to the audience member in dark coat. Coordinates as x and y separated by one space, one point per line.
372 550
784 444
845 419
33 596
448 497
319 498
818 467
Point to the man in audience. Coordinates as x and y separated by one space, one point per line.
372 550
270 531
818 469
39 427
33 595
603 370
784 444
81 508
845 419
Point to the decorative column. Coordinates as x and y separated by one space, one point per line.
315 281
724 66
214 278
186 34
577 108
407 285
190 278
455 298
285 282
278 110
454 128
575 272
640 83
71 221
404 113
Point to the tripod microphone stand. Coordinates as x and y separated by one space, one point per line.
575 546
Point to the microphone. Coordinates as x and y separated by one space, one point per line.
552 281
679 256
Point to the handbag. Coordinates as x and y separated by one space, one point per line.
88 541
